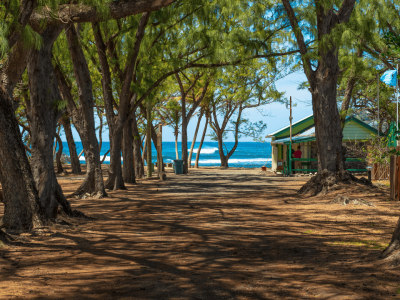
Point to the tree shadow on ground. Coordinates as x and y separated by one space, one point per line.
206 237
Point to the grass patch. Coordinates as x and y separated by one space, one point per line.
362 243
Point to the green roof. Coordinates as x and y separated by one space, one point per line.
297 128
303 131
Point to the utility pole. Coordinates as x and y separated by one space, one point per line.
290 149
159 153
379 122
148 138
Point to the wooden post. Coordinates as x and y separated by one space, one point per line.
374 171
290 150
159 153
393 179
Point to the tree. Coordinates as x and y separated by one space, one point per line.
186 116
75 163
201 113
196 164
170 114
82 115
45 112
238 89
319 55
23 207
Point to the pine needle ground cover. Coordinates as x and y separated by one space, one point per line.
213 234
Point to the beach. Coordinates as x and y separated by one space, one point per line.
211 234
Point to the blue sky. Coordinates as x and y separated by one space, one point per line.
278 115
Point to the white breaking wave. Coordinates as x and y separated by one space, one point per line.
209 161
82 158
233 160
206 150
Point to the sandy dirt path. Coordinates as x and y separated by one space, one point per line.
213 234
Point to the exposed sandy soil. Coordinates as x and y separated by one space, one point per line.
213 234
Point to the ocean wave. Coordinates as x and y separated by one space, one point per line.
206 150
82 158
209 161
233 160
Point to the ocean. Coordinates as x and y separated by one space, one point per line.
247 154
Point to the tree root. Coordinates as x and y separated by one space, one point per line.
391 255
326 181
344 200
6 239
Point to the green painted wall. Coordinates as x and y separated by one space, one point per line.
354 131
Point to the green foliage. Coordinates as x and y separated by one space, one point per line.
374 150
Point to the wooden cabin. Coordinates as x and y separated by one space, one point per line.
303 135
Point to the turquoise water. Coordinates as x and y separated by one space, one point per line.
247 154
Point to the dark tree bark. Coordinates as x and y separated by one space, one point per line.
83 117
128 171
219 131
22 208
116 123
323 87
24 15
139 166
60 168
194 138
14 67
115 180
187 116
44 116
75 163
392 253
80 13
196 165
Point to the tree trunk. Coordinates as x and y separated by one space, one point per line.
222 156
392 253
139 167
237 125
22 208
184 137
196 165
44 116
83 117
323 87
75 163
14 67
60 168
144 153
328 129
194 139
115 180
127 153
105 156
149 135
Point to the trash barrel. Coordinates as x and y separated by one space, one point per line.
152 167
178 166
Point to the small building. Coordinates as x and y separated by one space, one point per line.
303 135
